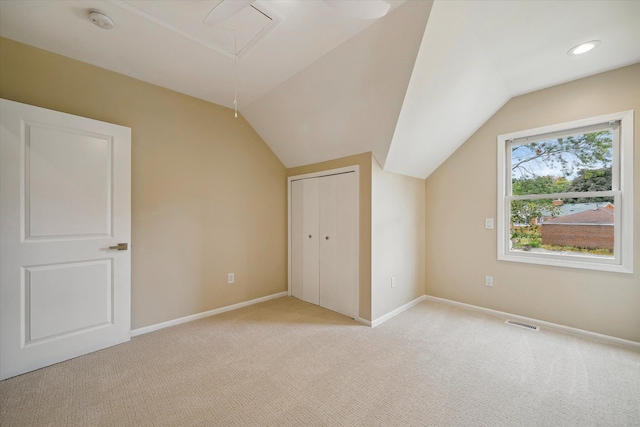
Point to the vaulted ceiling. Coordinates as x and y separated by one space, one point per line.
316 84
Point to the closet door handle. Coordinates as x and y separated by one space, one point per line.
327 238
309 235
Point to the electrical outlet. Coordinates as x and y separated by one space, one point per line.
231 278
488 223
488 280
393 282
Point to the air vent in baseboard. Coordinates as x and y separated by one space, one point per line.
523 325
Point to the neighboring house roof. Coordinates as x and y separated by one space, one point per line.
599 215
573 208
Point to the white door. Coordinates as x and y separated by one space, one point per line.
65 200
338 243
324 246
305 236
295 238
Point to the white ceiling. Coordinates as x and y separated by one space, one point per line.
410 87
167 43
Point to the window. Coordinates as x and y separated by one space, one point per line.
565 194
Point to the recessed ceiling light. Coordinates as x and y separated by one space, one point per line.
583 48
100 19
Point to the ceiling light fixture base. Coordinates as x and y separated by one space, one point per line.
101 19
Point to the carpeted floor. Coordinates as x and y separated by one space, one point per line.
288 363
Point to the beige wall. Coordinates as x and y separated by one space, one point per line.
461 193
364 272
209 197
397 240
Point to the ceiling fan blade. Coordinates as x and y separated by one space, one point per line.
225 10
360 9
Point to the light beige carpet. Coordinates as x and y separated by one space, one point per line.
288 363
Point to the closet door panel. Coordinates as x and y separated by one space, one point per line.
310 238
338 244
329 242
297 238
346 255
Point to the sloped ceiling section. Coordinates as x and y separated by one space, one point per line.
348 101
476 55
453 82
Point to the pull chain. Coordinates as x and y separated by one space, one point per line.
235 73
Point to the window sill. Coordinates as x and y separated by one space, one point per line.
580 262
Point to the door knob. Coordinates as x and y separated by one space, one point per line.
120 246
327 238
309 235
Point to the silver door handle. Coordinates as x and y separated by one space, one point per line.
120 246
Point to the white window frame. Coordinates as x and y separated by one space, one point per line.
622 191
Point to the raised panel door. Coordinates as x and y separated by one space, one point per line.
65 199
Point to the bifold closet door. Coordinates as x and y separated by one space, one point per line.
324 223
305 250
338 245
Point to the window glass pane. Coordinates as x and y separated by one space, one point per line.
563 226
576 163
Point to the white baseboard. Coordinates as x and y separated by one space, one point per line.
363 321
397 311
550 325
379 320
191 318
